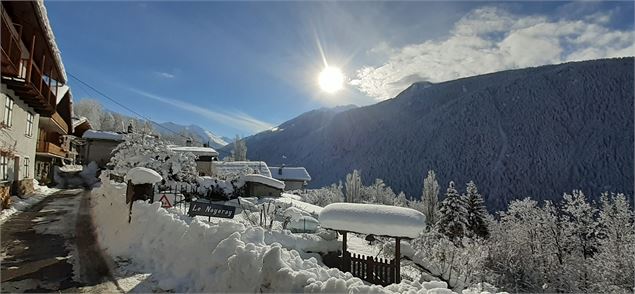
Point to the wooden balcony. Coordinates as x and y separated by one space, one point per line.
54 123
50 149
33 77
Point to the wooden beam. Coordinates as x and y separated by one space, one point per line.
30 66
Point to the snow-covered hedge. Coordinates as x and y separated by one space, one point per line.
139 150
188 255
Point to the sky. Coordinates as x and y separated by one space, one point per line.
244 67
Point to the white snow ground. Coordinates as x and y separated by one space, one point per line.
189 255
19 204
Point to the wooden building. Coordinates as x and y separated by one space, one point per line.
36 100
294 178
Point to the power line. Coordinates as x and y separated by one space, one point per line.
128 108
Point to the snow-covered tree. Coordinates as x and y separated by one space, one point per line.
240 149
401 200
90 109
613 265
148 151
353 186
323 196
430 197
476 212
452 215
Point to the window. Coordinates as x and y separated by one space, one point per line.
29 124
8 112
4 172
27 163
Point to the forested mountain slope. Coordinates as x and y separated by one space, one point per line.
535 132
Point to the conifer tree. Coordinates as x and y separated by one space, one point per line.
452 215
476 212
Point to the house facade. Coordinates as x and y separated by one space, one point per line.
294 178
33 79
98 147
205 158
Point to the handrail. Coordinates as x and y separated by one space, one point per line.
12 50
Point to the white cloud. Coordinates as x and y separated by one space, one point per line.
166 75
236 120
492 39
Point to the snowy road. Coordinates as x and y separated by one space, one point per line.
51 247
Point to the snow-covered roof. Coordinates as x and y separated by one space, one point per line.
198 151
79 120
40 10
290 173
141 175
381 220
271 182
235 167
102 135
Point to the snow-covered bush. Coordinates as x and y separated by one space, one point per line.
148 151
323 196
460 266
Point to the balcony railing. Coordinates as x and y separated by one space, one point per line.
50 148
11 49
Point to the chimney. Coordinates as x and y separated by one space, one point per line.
280 170
188 142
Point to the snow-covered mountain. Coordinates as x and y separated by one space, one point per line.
196 132
535 132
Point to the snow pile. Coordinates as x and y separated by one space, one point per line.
142 175
20 204
189 255
74 176
256 178
382 220
217 188
102 135
292 199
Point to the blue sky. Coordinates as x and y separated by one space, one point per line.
242 67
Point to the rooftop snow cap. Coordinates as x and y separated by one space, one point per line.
287 173
142 175
380 220
102 135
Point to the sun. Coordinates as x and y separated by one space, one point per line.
331 79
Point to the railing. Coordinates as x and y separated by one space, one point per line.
11 50
48 147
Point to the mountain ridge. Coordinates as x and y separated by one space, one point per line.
505 130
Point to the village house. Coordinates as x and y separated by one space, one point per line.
98 146
294 178
34 95
205 157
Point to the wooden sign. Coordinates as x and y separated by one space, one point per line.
210 209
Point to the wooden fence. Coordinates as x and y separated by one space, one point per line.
379 271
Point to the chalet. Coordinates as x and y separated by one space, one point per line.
205 156
262 186
294 178
36 100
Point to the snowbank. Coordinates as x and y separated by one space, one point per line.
382 220
256 178
142 175
292 199
189 255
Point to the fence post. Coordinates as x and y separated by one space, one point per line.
370 267
397 260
